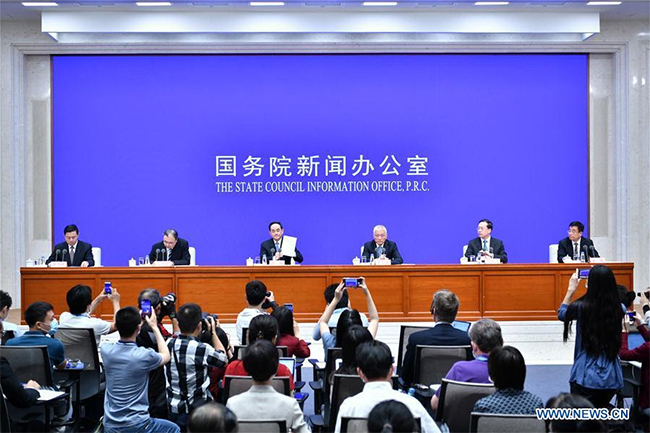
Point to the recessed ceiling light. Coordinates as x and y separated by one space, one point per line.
491 3
153 3
267 3
380 3
39 4
603 3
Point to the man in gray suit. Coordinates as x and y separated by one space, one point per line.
262 401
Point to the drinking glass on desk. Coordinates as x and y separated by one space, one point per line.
140 261
257 260
472 259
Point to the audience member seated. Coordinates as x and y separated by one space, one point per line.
443 309
485 336
82 305
376 370
188 372
126 405
571 401
7 330
596 372
146 338
212 418
290 333
347 318
262 327
507 370
642 355
262 401
391 416
341 306
42 326
258 302
217 373
355 336
19 395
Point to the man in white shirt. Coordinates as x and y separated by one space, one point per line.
376 369
81 307
259 299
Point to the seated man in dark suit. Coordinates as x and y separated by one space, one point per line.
485 245
272 248
381 247
444 309
575 244
172 249
73 251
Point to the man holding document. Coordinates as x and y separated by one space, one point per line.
280 247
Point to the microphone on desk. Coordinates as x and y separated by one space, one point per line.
157 253
272 253
56 257
586 251
63 256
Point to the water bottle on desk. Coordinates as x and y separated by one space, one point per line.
264 260
583 259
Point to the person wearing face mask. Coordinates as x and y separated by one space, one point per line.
485 336
42 325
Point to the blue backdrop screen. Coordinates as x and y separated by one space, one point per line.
218 146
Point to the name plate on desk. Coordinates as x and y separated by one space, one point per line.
162 264
489 261
381 262
58 264
276 263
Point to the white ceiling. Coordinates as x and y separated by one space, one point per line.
628 10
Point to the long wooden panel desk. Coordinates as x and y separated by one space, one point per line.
401 293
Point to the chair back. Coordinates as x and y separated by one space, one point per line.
465 249
432 363
405 332
80 344
491 422
344 386
244 336
262 426
192 252
457 401
552 253
235 385
29 363
360 425
239 351
97 256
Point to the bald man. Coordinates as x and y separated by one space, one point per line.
381 247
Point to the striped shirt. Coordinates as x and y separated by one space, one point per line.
188 380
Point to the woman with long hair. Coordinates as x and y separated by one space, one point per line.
290 333
596 372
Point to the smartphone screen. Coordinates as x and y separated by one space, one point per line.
108 288
289 306
350 282
583 274
145 307
630 316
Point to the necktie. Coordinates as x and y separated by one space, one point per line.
71 255
277 247
484 244
575 249
169 254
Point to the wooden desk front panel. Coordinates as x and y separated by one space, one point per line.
401 293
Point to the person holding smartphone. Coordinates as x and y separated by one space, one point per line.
640 354
81 307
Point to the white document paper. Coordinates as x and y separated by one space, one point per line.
289 246
48 394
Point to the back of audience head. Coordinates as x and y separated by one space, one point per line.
263 327
391 416
347 319
375 361
485 335
507 368
284 316
212 417
127 321
79 298
5 305
189 318
255 292
261 360
445 306
355 336
329 296
573 401
38 312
